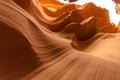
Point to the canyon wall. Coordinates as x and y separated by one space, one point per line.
50 40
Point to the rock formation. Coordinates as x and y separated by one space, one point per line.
50 40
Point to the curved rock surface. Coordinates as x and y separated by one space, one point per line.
49 40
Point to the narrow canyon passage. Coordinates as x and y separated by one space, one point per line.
50 40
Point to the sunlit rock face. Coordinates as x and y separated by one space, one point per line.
117 7
50 40
116 1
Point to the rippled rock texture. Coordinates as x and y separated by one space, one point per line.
49 40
